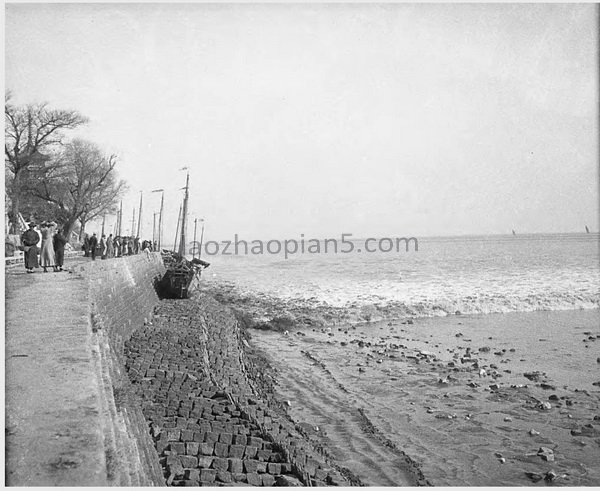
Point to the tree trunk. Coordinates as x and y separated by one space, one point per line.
68 229
15 203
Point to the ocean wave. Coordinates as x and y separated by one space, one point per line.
266 308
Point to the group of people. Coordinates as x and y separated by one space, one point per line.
51 252
109 247
52 249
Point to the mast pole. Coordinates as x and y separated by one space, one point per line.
139 227
194 249
201 238
184 216
162 199
120 218
177 230
153 230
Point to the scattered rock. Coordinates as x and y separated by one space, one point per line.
533 376
533 432
547 386
535 477
546 454
550 476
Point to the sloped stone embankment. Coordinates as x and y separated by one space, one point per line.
208 403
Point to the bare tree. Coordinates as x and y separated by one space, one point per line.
81 182
30 131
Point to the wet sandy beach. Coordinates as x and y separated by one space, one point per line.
504 399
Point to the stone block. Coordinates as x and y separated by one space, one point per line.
261 467
235 466
192 475
192 448
268 480
207 448
187 435
204 461
211 437
240 439
198 436
250 466
226 438
240 477
255 441
189 461
263 455
250 452
208 475
221 449
224 476
254 479
173 435
220 464
236 451
274 468
177 447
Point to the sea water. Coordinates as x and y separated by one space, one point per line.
447 275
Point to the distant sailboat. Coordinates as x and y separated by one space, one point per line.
587 230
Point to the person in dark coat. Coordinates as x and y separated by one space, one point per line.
93 246
86 245
30 239
59 242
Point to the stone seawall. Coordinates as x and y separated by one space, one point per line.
122 298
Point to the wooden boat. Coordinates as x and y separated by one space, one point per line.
182 276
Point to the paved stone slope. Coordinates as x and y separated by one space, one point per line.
209 406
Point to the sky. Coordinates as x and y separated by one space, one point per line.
377 120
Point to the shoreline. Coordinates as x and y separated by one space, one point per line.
404 376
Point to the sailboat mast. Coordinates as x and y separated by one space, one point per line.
120 219
182 241
177 229
139 227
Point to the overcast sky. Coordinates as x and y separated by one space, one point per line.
376 120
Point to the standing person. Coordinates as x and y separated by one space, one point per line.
110 247
117 246
86 245
30 239
103 247
59 241
130 246
47 253
93 245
